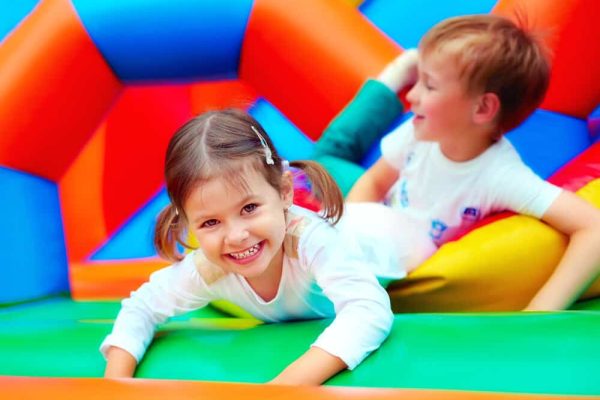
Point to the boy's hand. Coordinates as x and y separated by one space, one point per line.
401 72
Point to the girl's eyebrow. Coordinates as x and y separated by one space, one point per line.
240 204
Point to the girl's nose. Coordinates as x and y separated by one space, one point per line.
237 233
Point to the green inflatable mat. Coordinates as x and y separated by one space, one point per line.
552 353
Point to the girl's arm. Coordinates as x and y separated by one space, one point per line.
170 291
363 317
580 264
119 363
312 368
375 183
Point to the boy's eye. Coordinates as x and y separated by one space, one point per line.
248 208
209 223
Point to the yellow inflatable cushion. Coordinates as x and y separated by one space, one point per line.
497 267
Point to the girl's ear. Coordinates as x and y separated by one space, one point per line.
287 188
487 108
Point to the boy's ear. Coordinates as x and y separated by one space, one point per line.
287 188
487 108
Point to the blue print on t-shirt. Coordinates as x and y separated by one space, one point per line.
437 229
471 214
403 194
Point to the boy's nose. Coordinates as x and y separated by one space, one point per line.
411 96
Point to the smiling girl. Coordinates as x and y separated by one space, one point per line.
230 188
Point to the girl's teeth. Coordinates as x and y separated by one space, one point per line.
251 251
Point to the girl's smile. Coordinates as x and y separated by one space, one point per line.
248 255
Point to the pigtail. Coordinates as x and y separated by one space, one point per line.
168 233
324 188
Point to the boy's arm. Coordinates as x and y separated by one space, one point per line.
580 264
374 184
119 363
312 368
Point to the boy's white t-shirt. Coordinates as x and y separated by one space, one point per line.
323 276
444 198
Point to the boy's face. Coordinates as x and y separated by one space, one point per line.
439 99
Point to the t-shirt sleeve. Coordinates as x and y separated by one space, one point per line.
520 190
170 291
394 146
363 314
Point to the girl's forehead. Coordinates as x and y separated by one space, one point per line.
242 182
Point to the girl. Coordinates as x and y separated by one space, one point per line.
280 262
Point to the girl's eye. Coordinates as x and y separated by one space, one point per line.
209 223
248 208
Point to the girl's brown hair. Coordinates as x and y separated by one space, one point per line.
222 143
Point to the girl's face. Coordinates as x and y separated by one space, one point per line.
241 229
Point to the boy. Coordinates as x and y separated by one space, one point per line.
477 77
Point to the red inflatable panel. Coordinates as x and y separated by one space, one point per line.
300 56
217 95
45 126
579 171
572 32
137 133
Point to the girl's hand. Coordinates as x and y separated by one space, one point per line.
311 369
119 363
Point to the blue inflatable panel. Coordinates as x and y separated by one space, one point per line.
594 124
33 261
546 140
176 40
289 141
406 21
135 238
12 13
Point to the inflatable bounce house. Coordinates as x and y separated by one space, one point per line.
92 90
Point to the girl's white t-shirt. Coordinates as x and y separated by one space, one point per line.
325 275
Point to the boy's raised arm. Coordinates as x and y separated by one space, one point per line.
580 264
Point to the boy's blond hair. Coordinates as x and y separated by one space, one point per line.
495 55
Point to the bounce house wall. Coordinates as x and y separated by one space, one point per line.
117 170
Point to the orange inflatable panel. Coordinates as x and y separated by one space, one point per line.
302 58
110 280
45 126
12 387
81 199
